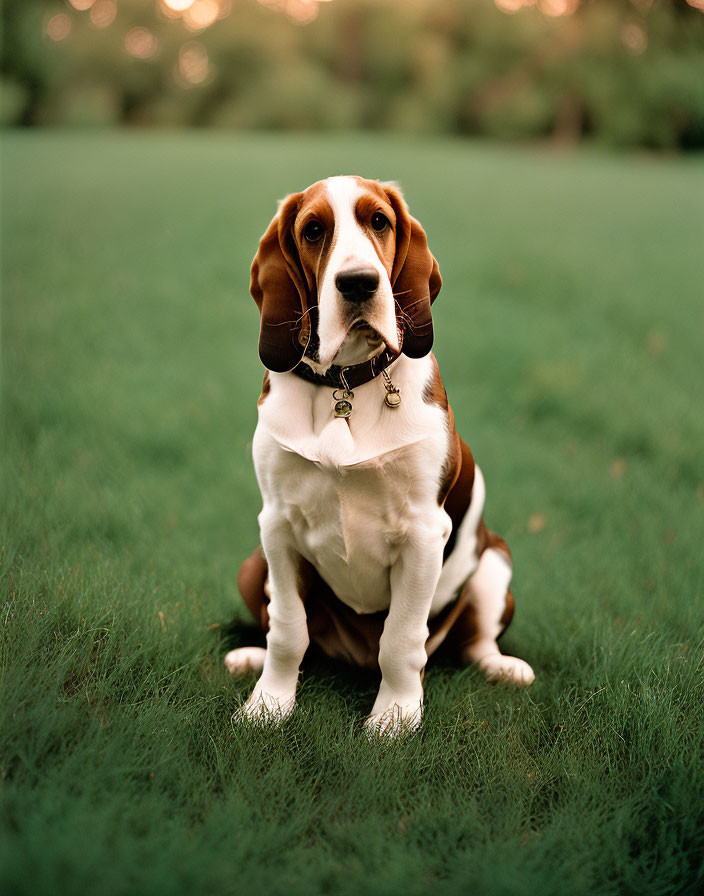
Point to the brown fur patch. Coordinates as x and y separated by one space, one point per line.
457 476
434 389
488 539
374 187
314 206
374 200
507 614
266 388
460 495
278 287
434 393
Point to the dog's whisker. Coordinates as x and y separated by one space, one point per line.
419 301
296 320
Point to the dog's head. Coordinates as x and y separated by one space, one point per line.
341 258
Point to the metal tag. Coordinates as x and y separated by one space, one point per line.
392 399
343 408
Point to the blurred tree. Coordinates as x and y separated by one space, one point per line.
624 72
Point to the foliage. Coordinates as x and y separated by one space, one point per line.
568 332
623 72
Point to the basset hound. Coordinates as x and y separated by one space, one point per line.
372 538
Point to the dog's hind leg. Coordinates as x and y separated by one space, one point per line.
245 659
251 582
489 610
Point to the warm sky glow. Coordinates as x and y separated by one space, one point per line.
558 7
549 7
81 5
201 14
193 63
302 11
634 38
103 12
58 27
141 43
511 6
178 5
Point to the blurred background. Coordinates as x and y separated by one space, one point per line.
623 73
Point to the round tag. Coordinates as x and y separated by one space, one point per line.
343 408
392 399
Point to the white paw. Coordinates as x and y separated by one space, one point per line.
245 659
394 721
497 667
266 709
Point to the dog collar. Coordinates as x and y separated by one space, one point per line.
347 378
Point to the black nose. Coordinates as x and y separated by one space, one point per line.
358 284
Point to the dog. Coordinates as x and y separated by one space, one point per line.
373 543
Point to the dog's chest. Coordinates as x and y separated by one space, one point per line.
350 524
351 494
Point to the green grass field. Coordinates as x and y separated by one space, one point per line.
569 336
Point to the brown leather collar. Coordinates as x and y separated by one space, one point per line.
337 377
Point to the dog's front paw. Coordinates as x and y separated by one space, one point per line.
395 721
264 708
511 669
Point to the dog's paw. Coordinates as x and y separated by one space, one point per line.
395 721
245 659
510 669
263 708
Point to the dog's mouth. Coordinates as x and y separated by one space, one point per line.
363 341
365 325
359 338
364 328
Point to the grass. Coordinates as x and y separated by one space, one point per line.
569 336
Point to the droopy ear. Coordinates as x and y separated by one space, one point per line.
278 286
415 278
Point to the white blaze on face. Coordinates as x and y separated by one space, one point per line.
352 248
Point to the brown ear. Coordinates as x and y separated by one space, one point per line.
415 278
278 286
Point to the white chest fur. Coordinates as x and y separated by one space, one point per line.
350 491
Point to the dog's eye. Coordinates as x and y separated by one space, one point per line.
379 222
313 231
